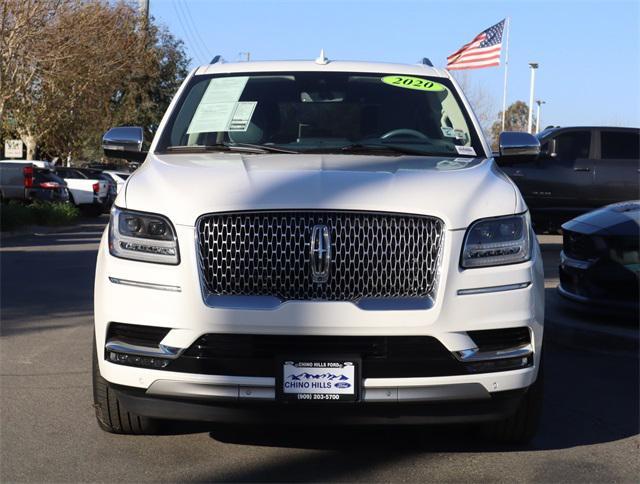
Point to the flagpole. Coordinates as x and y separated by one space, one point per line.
506 68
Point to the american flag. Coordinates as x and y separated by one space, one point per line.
482 51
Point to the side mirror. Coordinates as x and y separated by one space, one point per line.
517 146
124 142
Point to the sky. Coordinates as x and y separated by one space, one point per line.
588 51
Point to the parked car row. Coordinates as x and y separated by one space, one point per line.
91 190
600 258
578 169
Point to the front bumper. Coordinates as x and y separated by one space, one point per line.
599 283
490 407
171 297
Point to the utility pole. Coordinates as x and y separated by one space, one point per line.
143 5
539 103
247 55
534 67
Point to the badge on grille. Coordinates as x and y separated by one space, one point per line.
320 253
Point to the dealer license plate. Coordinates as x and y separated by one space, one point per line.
319 380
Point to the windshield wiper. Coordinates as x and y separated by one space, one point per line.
269 148
381 149
240 147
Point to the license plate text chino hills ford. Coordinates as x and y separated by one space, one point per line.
319 239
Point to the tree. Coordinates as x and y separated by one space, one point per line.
90 64
515 120
20 21
145 98
481 101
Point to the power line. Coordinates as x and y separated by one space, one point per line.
193 33
195 30
194 47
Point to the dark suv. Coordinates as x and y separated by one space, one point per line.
579 169
46 186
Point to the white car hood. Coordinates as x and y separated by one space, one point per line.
185 186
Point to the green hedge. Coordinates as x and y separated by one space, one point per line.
15 214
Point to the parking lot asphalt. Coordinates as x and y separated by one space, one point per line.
589 430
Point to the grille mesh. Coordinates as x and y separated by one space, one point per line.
373 255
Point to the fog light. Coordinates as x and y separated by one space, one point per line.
135 360
499 365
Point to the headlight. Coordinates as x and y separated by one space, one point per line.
142 236
497 241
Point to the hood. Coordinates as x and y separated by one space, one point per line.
185 186
618 219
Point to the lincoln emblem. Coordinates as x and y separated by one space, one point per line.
320 253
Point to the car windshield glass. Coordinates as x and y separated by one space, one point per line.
318 112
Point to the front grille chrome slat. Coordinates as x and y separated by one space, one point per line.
372 255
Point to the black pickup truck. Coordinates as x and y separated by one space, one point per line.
579 169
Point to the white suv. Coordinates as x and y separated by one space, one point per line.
326 239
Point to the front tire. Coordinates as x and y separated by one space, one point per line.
521 427
111 414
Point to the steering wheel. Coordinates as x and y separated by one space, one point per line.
405 131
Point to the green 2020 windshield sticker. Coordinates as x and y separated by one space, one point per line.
409 82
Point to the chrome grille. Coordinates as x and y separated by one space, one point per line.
373 255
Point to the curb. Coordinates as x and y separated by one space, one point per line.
571 324
33 230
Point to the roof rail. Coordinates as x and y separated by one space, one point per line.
217 60
426 62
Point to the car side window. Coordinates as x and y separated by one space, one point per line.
573 145
619 145
67 174
76 175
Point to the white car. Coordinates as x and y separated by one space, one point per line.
321 243
119 177
89 194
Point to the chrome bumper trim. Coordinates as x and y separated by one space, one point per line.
433 393
271 302
459 391
474 354
145 285
171 388
484 290
162 351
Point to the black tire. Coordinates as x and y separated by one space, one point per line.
111 414
521 427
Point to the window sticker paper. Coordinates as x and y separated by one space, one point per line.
448 132
408 82
242 116
218 105
465 150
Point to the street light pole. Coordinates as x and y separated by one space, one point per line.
247 55
539 103
143 5
533 66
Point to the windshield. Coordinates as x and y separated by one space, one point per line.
321 112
